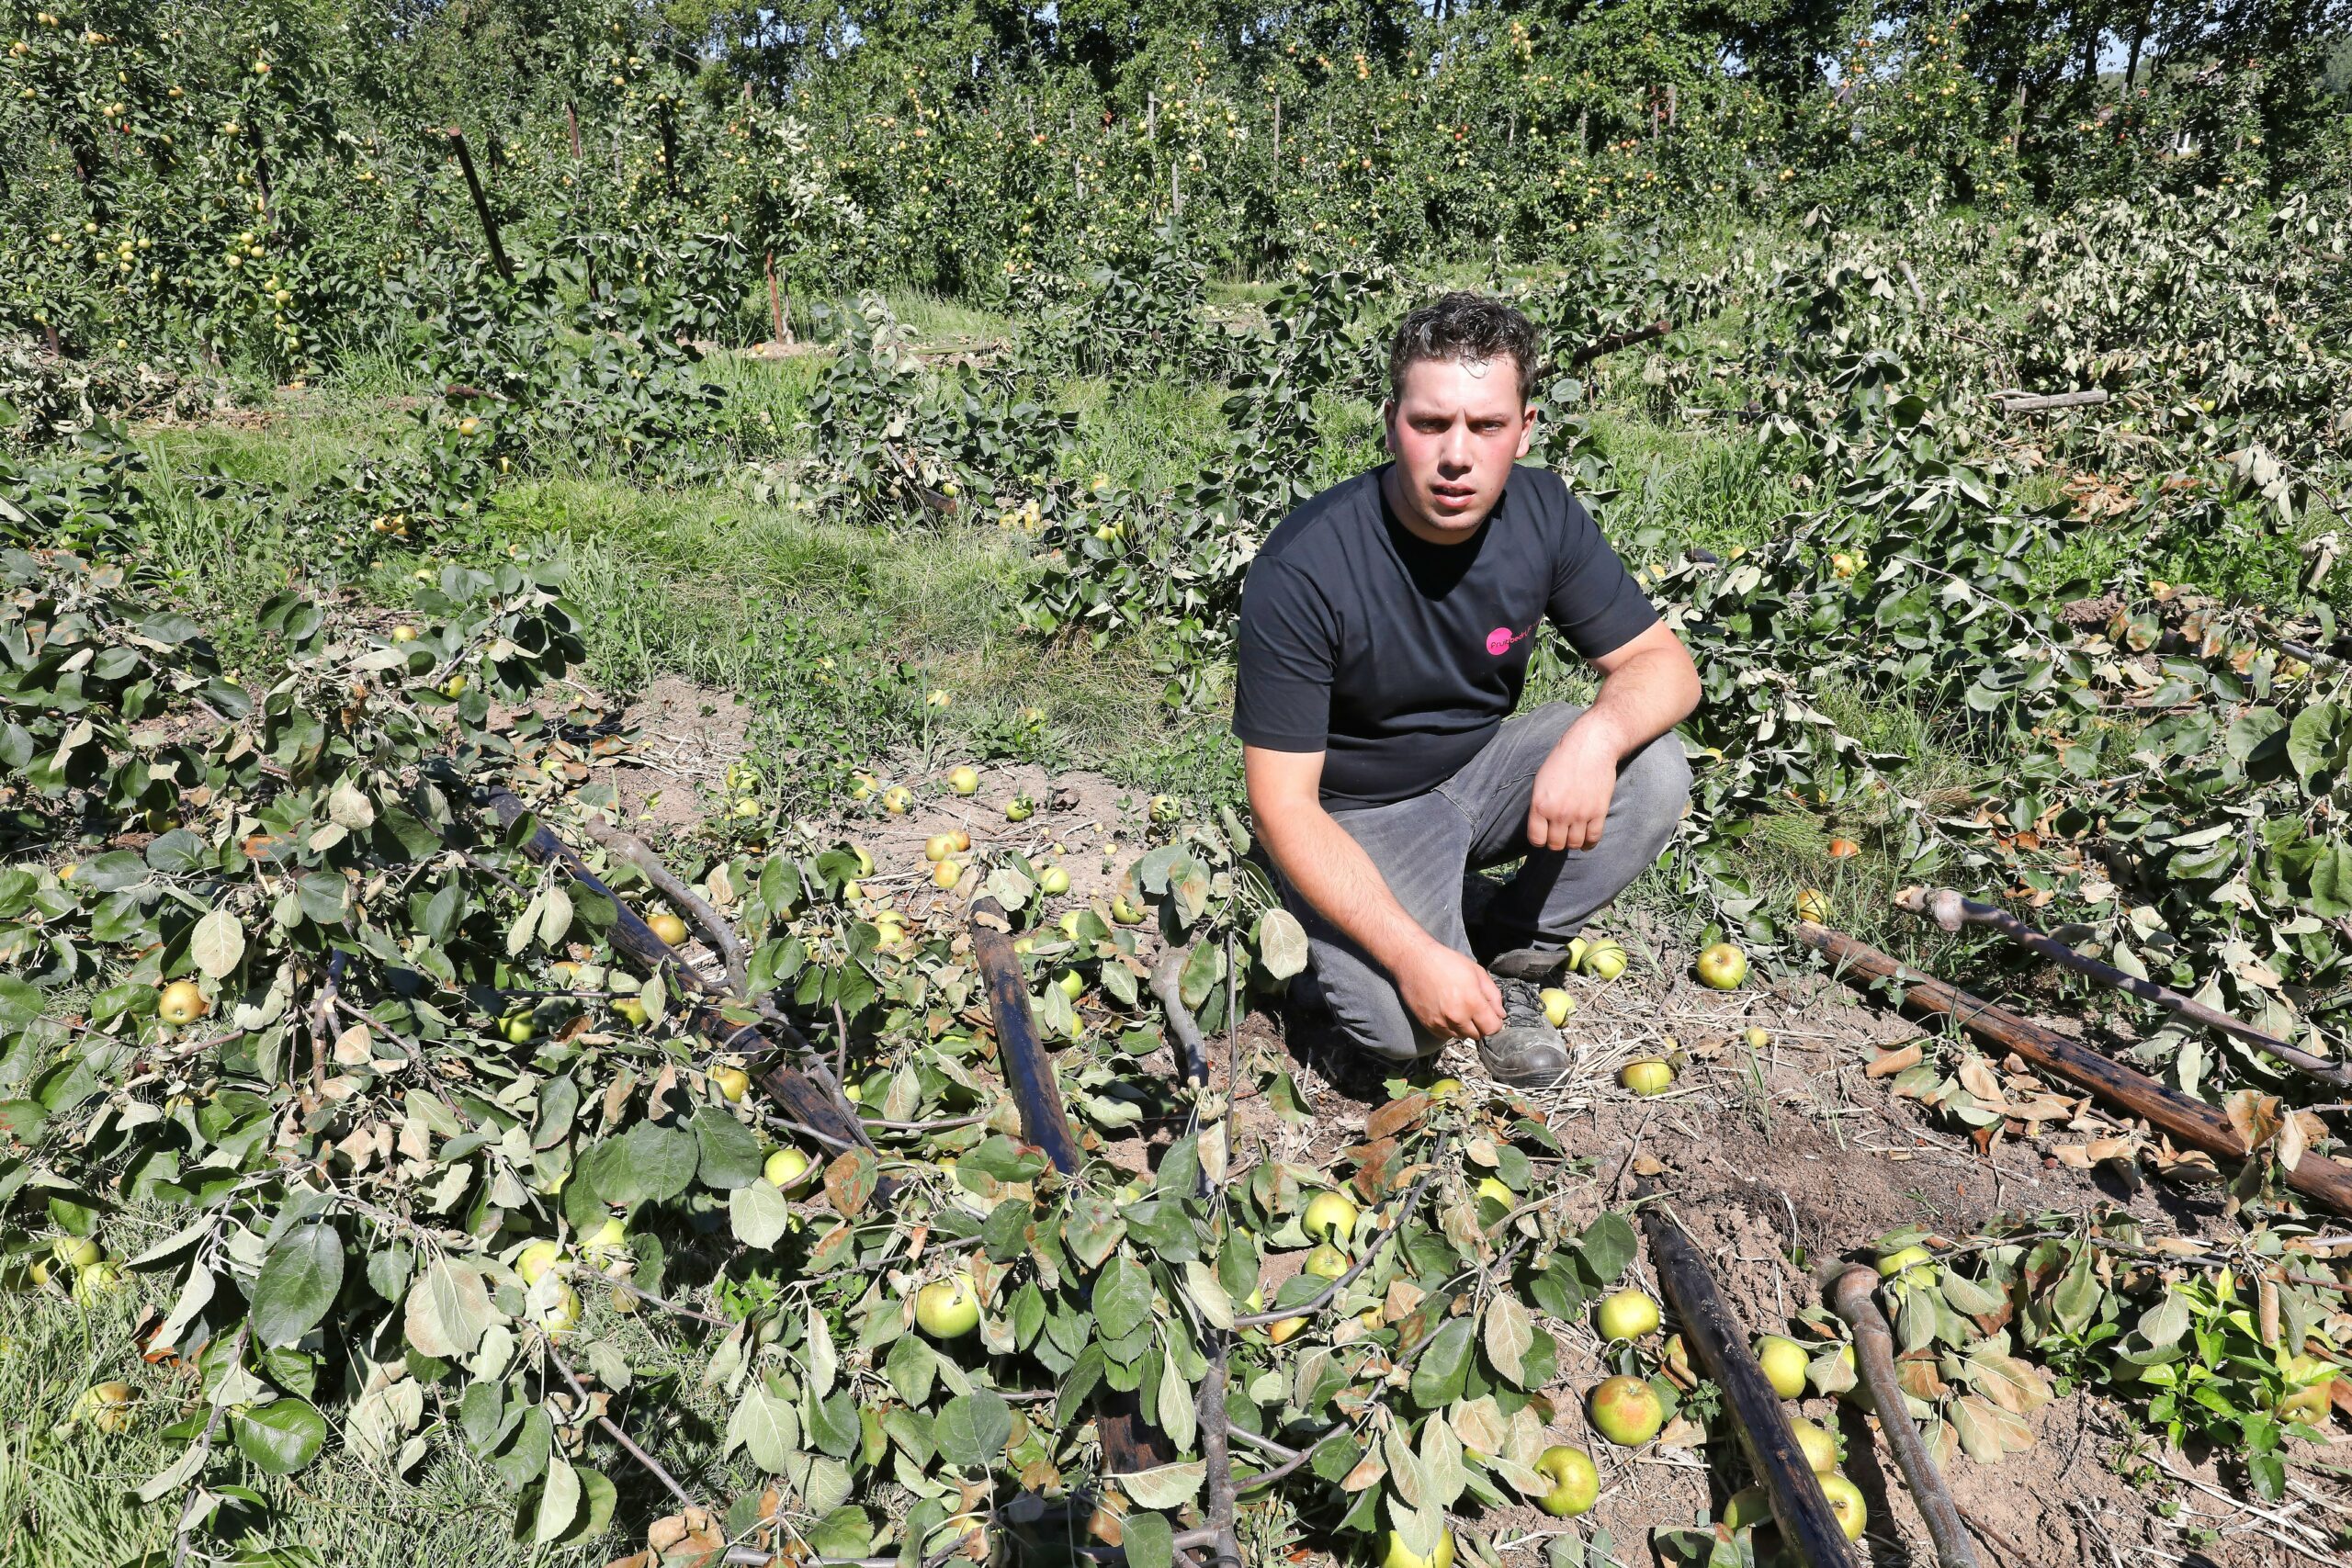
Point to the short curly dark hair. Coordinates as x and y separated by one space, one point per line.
1469 329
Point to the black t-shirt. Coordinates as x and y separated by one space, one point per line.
1398 658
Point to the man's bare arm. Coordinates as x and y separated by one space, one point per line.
1647 687
1449 992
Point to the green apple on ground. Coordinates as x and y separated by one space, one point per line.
1558 1005
181 1003
965 781
1395 1554
104 1406
669 928
1492 1187
1722 967
1326 1262
1053 881
1908 1266
733 1082
1647 1077
560 1316
606 1244
1575 1482
1604 960
1626 1410
1123 912
538 1258
949 1308
787 1171
1747 1508
1785 1361
1846 1501
1330 1216
1820 1447
76 1251
1627 1314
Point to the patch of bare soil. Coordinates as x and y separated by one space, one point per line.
675 778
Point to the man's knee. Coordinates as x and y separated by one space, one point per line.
1365 1005
1653 787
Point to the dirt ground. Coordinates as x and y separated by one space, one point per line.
1788 1150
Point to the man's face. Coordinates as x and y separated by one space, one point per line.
1456 430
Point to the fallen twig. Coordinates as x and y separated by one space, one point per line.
2020 402
713 926
1322 1298
1850 1290
1951 909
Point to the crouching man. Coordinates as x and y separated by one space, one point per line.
1386 630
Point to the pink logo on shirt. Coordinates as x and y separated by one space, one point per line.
1502 639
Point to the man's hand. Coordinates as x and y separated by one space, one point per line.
1573 788
1452 995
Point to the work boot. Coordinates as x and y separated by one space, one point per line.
1535 965
1526 1052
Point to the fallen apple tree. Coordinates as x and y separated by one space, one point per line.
2190 1121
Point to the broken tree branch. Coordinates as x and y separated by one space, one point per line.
671 885
810 1093
482 205
1951 909
1128 1445
1850 1290
1808 1526
2175 1114
1031 1077
1615 341
1166 984
2021 402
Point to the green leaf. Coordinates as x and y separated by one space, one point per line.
1607 1245
768 1427
833 1423
649 1163
759 1215
1122 1298
729 1153
1282 944
217 945
1166 1486
298 1283
449 1311
20 1002
1151 1541
973 1428
911 1368
559 1504
1442 1370
1510 1334
1202 971
2314 739
281 1436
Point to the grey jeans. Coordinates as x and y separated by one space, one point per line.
1477 818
